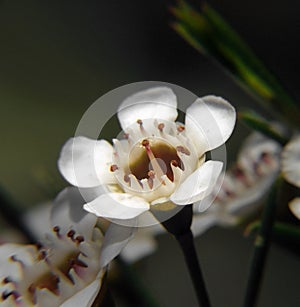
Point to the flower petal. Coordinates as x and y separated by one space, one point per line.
86 163
154 103
143 244
209 122
199 184
117 206
202 222
68 213
291 162
85 297
294 206
115 239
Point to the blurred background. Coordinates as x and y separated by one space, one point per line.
58 57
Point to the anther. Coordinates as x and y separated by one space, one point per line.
56 229
126 136
161 127
265 157
42 255
140 122
113 167
145 143
180 128
13 293
71 234
79 239
175 163
7 280
183 150
126 178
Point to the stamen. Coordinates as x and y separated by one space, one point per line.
156 167
42 255
126 136
161 127
266 157
126 178
151 176
7 280
183 150
175 163
56 229
180 128
79 239
140 122
113 167
7 294
71 234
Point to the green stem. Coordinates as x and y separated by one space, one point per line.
257 123
262 245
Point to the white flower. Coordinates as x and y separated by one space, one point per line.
67 268
158 162
246 182
291 170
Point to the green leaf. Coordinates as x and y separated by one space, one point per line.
256 122
211 35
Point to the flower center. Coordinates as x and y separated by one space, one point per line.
153 157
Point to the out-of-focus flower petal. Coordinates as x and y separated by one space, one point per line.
143 244
86 163
116 238
68 213
291 162
153 103
199 184
86 296
117 206
294 206
209 122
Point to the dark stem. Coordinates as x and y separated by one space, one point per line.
262 245
179 226
186 242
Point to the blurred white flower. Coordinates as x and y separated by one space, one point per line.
291 170
67 267
158 162
246 182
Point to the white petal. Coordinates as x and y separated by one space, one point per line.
143 244
117 206
202 222
199 184
209 122
86 163
85 297
294 206
37 220
291 162
153 103
68 213
115 239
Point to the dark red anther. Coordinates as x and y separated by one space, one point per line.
79 239
180 128
183 150
113 167
71 233
161 127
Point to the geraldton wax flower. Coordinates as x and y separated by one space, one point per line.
159 163
62 271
